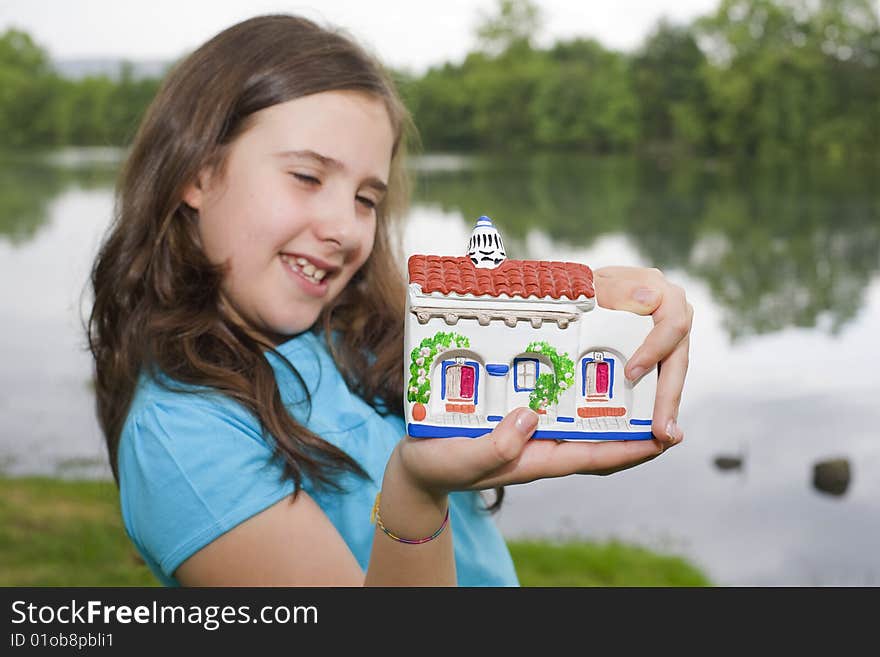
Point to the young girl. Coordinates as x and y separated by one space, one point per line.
247 332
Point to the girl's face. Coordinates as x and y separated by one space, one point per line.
293 212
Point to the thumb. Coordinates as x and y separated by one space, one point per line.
457 463
507 440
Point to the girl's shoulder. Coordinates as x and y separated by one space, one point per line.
158 396
192 464
179 432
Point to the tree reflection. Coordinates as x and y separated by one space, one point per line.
779 245
572 198
787 246
29 185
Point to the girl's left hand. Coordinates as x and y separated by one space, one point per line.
647 292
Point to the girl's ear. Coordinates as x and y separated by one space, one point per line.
194 192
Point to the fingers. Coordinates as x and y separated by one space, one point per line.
508 456
542 459
646 291
670 384
672 324
635 289
448 464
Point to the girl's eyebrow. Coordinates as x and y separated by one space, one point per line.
331 163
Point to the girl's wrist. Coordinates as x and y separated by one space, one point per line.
408 507
401 467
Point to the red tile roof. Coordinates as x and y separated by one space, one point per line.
520 278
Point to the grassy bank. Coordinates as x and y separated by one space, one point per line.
69 533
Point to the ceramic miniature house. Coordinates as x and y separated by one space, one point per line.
485 335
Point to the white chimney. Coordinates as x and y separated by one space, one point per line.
485 248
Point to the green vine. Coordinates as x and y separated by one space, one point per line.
421 359
548 387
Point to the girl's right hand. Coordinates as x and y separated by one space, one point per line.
508 456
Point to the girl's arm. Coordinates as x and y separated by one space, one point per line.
291 543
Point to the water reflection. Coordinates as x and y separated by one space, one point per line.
29 184
778 247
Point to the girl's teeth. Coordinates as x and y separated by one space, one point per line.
306 268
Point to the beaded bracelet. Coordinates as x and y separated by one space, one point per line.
374 518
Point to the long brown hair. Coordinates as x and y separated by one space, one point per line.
157 303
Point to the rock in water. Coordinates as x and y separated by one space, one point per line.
831 476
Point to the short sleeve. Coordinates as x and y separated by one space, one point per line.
190 469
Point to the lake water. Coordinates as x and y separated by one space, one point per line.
782 265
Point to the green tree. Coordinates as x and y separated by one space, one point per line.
129 99
27 87
501 112
513 26
669 82
38 108
792 78
585 100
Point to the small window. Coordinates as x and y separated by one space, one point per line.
460 383
526 373
598 379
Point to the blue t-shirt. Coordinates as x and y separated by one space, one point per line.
193 466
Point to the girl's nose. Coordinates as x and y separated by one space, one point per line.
336 221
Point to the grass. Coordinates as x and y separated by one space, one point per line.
65 533
69 533
548 563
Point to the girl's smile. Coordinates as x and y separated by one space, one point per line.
312 275
292 209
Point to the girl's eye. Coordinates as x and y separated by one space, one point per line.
306 178
366 202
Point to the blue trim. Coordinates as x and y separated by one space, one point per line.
642 422
584 376
425 431
516 362
475 365
495 418
497 370
593 435
564 418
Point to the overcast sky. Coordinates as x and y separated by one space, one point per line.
405 33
